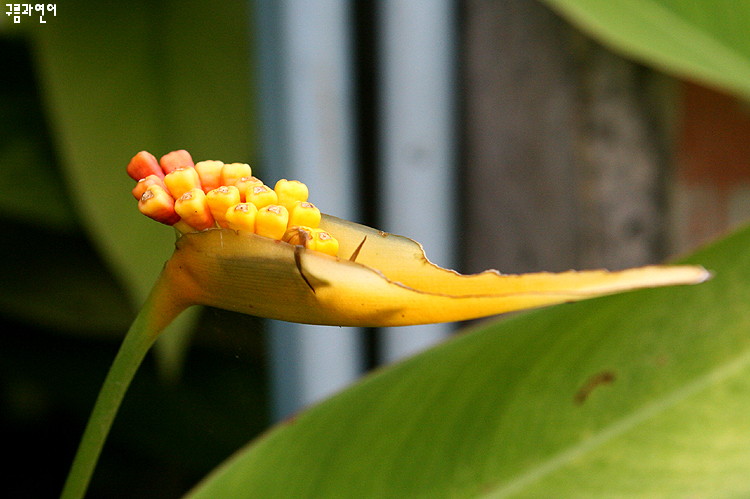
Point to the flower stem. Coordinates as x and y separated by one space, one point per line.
161 307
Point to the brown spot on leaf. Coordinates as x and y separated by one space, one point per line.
598 379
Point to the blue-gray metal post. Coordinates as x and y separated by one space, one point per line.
418 157
307 134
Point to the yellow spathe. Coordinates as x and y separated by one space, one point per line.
389 283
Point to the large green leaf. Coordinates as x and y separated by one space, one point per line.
640 394
51 276
125 76
30 186
55 279
704 41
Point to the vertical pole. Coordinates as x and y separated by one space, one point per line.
418 186
308 135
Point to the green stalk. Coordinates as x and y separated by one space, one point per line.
161 307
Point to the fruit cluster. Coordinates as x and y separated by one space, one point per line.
197 196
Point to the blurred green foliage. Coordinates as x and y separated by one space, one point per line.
101 81
80 95
702 41
640 394
643 394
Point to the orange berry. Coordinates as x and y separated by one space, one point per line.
232 172
193 209
210 174
245 183
145 183
260 196
271 221
142 165
220 199
241 217
157 204
304 213
182 180
290 191
176 159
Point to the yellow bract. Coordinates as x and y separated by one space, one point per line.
271 253
255 275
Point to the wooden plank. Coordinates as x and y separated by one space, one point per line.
564 147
